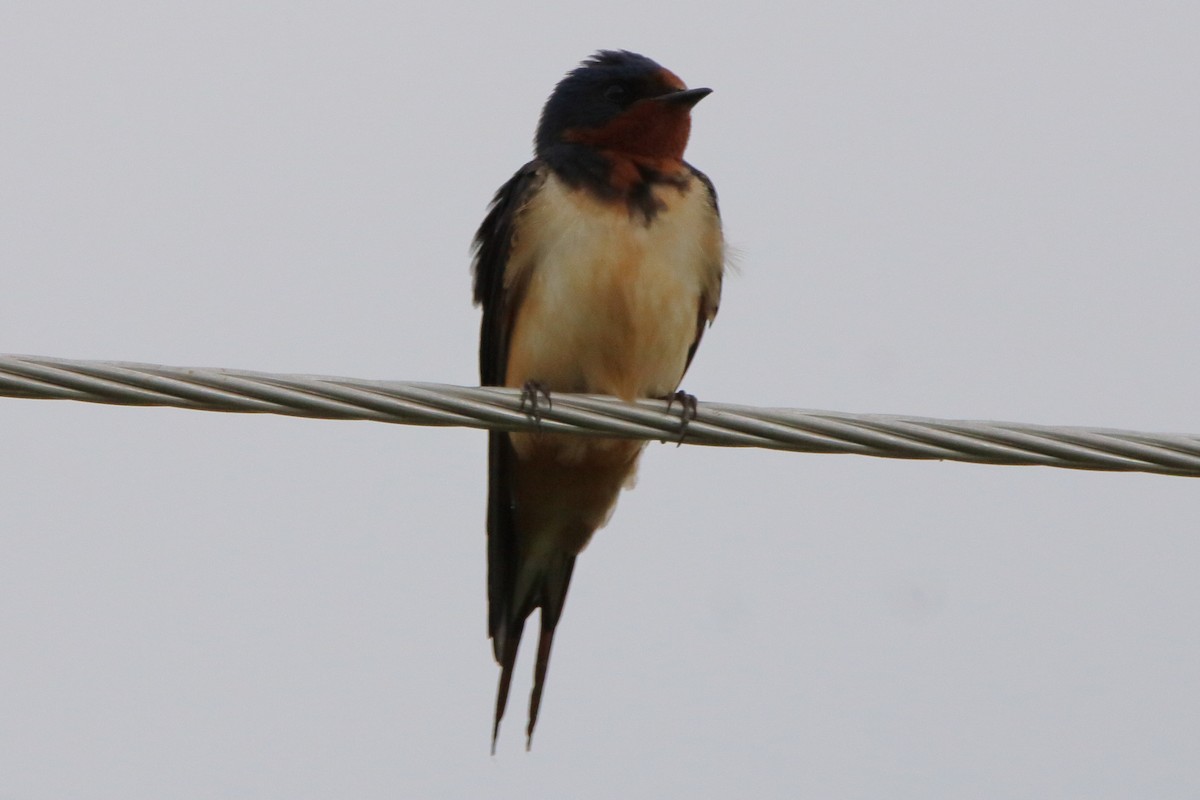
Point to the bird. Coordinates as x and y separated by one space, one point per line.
598 267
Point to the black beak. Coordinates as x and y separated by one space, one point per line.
686 98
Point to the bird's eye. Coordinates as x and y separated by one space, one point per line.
615 93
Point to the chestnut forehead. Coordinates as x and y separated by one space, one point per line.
670 80
653 83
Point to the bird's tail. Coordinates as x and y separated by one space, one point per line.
518 582
545 588
542 510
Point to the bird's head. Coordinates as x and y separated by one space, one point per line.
623 103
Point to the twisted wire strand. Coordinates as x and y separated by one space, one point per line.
885 436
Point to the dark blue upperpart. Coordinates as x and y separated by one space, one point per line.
596 91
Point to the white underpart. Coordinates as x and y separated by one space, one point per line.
611 299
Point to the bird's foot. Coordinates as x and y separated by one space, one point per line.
687 410
532 394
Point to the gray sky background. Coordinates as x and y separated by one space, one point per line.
973 210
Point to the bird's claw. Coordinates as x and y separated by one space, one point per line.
687 410
531 397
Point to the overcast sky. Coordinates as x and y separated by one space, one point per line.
969 210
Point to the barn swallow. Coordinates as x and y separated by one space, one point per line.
598 266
